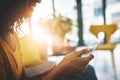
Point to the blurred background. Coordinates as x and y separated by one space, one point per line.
60 26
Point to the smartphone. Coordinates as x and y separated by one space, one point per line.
91 50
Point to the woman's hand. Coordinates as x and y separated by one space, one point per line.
73 64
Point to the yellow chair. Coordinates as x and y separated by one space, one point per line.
108 31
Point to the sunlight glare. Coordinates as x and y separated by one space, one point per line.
38 34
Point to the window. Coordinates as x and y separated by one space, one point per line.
92 14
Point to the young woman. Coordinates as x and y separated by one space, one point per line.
12 14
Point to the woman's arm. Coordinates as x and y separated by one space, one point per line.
71 65
39 76
56 73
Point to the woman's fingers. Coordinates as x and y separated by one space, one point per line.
90 57
83 51
87 59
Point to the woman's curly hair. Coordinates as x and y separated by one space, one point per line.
12 12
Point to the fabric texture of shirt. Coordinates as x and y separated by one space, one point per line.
10 61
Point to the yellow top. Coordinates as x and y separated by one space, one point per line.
10 62
30 50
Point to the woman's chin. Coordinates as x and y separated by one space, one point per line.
29 12
29 15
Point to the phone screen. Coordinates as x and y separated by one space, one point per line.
91 50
